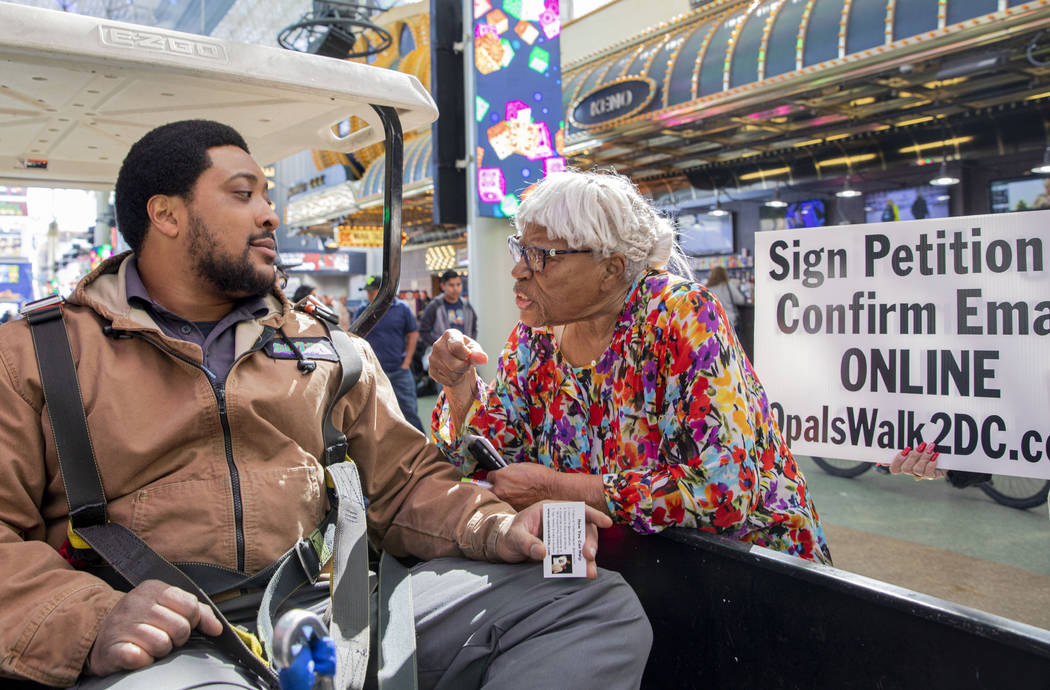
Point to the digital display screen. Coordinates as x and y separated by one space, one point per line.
911 203
1026 194
517 99
806 214
703 234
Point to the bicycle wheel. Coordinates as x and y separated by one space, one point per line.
842 468
1017 492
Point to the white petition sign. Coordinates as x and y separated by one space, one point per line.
870 338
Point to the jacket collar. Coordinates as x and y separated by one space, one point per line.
104 290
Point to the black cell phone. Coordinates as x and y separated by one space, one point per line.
483 452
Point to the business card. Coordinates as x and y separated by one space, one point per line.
564 531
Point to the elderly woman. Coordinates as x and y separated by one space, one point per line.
623 384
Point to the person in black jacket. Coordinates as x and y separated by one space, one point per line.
451 310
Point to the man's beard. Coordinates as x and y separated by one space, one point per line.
234 276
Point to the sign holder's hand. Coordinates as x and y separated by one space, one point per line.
920 463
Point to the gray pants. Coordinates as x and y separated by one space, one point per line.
478 625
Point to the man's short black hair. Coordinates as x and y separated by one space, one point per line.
448 275
167 160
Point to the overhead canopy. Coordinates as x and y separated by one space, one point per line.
360 202
742 78
76 92
419 169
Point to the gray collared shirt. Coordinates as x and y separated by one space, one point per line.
218 344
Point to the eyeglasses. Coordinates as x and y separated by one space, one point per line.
536 257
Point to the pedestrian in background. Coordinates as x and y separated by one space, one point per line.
450 310
394 340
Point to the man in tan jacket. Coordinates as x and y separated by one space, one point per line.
207 433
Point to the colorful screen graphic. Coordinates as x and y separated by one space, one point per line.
517 109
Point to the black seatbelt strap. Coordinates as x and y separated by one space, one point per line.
132 558
65 409
335 445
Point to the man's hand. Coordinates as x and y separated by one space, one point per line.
522 541
145 625
523 483
920 463
452 362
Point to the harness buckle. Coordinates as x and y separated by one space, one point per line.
88 515
336 452
308 559
43 309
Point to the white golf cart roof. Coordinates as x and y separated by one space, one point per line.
77 91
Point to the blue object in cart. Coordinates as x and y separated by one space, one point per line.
304 652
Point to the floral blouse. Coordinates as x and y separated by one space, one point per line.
671 415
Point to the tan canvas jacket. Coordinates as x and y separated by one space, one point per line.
188 484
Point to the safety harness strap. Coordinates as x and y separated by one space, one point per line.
214 579
350 600
76 456
396 623
335 445
350 605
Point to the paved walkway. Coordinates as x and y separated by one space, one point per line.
981 584
956 544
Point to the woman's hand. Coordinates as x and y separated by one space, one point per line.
920 463
523 483
452 362
453 358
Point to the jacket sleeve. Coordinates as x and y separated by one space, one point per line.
49 612
417 504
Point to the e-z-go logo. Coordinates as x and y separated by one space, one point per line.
161 43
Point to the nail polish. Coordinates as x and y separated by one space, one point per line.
906 450
922 447
934 456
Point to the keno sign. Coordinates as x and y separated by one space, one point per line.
620 99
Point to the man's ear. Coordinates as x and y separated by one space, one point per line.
165 214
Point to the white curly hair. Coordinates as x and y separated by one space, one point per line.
603 211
